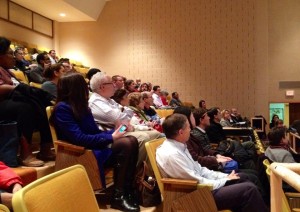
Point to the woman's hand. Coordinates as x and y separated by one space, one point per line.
117 134
16 188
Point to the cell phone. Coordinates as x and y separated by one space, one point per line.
123 128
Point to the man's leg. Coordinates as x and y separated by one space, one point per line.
243 197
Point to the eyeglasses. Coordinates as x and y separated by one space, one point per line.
108 83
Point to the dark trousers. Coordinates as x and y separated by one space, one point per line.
239 195
27 117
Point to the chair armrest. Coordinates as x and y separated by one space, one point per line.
70 147
4 208
186 183
292 194
179 182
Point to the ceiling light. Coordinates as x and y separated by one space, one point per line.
62 14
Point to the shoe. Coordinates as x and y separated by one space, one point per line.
132 198
31 161
120 202
46 157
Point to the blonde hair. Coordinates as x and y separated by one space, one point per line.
135 98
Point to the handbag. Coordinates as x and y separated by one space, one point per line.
148 191
9 143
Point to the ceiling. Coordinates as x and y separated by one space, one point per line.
74 10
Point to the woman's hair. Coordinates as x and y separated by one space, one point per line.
49 72
72 89
134 99
143 85
127 83
172 124
201 103
276 134
119 95
184 111
4 45
274 115
279 121
223 112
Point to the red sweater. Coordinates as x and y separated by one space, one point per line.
8 177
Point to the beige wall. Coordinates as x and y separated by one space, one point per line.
19 33
284 47
202 49
229 52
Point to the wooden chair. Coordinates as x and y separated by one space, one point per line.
20 76
3 208
171 189
68 155
66 190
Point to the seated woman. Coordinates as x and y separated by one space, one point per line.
25 105
144 87
129 86
139 120
10 183
74 123
225 120
52 74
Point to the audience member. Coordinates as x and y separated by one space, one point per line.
279 123
139 120
236 116
74 123
156 97
279 149
129 85
10 183
202 104
174 161
163 97
107 113
144 87
36 75
118 81
199 146
274 119
225 120
148 110
52 74
52 57
175 101
21 63
25 105
121 97
91 73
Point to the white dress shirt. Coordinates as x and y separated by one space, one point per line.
157 100
175 161
106 111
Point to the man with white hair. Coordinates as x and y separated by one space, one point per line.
108 114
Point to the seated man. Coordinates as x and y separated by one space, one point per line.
198 144
156 97
108 113
236 116
37 74
148 110
10 183
175 101
175 161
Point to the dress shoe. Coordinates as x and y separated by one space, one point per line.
120 202
31 161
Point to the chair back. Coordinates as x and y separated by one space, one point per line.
163 113
151 147
49 111
66 190
20 76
